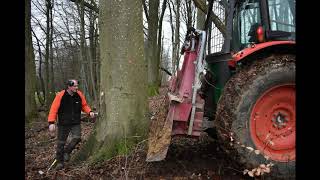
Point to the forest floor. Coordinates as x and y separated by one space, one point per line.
186 159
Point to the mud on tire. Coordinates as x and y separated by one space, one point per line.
236 104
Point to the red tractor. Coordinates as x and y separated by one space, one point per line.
244 94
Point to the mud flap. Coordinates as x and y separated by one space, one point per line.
159 142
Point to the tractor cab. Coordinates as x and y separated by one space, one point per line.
256 21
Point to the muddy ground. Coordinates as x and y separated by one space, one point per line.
186 159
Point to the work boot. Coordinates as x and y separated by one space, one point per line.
66 157
59 166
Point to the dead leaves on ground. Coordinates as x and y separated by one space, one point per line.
258 171
262 168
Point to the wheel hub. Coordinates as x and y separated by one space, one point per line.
279 120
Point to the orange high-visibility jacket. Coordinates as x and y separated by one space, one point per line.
68 108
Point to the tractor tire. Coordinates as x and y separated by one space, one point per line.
257 110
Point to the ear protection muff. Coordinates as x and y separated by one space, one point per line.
70 83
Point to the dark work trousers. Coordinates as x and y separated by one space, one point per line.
63 132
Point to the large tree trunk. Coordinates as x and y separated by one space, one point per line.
30 69
123 96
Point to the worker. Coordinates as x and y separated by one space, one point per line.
67 106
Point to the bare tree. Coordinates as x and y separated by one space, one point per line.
160 38
153 62
83 50
186 12
67 41
172 35
30 73
52 87
42 88
176 43
87 53
154 43
48 72
93 56
91 6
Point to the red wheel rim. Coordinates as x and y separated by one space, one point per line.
273 123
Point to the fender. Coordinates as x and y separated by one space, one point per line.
255 48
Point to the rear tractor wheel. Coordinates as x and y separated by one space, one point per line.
257 110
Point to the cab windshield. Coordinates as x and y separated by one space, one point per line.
282 15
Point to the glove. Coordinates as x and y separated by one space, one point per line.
52 127
92 114
93 117
52 130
